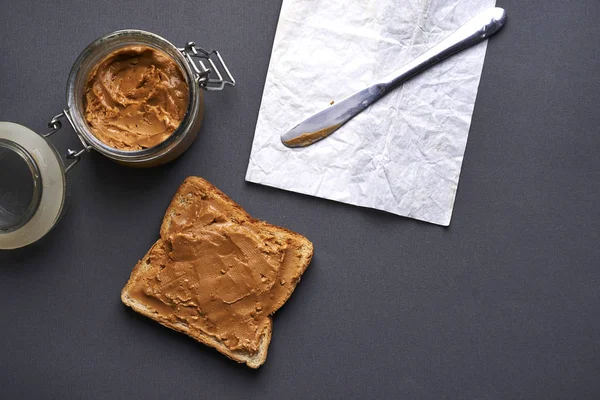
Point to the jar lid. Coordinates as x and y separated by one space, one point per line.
32 186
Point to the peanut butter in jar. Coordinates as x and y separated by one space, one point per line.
135 98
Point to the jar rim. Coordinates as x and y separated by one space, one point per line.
36 180
103 46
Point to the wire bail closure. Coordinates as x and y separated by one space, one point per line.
209 77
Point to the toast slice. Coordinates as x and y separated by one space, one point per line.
217 274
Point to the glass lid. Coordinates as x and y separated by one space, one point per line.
32 186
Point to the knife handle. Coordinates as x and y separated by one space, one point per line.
482 26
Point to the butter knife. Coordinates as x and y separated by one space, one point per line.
324 123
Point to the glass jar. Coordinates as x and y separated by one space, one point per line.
33 192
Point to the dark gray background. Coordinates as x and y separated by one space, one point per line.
503 304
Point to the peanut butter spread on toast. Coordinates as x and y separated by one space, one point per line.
219 272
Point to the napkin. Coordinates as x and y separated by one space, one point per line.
403 154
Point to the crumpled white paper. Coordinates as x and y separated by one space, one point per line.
404 153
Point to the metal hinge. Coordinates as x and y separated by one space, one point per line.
55 125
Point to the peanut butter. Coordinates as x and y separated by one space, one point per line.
218 274
135 98
306 139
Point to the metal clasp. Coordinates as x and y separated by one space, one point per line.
208 77
55 125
